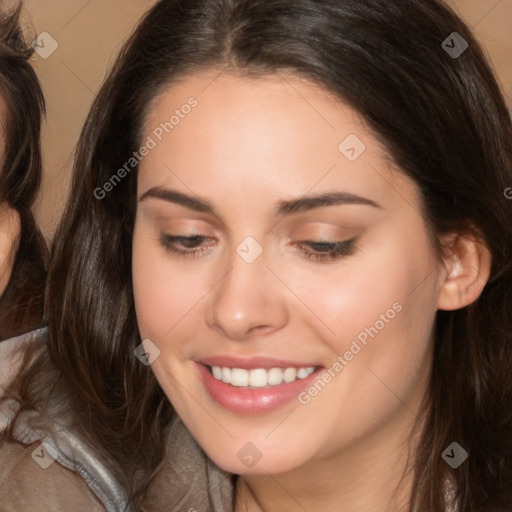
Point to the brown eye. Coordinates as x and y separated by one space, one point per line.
184 245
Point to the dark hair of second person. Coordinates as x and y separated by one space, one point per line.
24 262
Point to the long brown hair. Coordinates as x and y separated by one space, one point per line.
21 305
444 121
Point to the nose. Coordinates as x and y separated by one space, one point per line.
247 302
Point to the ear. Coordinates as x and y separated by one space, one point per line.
467 267
9 236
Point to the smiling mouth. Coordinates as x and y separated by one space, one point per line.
259 377
255 390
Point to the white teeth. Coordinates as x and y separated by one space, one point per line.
239 377
290 374
226 375
303 373
259 377
274 376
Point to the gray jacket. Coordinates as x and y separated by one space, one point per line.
52 469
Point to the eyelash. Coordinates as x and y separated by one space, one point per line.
330 251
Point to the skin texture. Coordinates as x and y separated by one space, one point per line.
249 144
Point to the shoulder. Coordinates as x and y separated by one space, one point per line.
44 464
11 353
31 479
30 476
197 483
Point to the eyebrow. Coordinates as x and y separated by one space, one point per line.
288 207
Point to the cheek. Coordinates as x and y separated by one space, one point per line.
382 319
382 311
165 297
353 295
377 310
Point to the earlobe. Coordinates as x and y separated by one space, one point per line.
467 270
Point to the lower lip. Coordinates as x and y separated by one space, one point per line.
253 401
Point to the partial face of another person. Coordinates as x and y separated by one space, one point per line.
9 233
277 249
9 220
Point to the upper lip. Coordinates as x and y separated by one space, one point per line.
252 362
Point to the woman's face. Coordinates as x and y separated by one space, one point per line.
273 239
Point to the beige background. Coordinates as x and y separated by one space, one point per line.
89 34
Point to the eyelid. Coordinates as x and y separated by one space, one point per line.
167 241
334 250
173 217
328 230
340 249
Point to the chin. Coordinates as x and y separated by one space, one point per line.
246 458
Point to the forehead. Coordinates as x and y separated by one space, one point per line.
288 106
278 135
